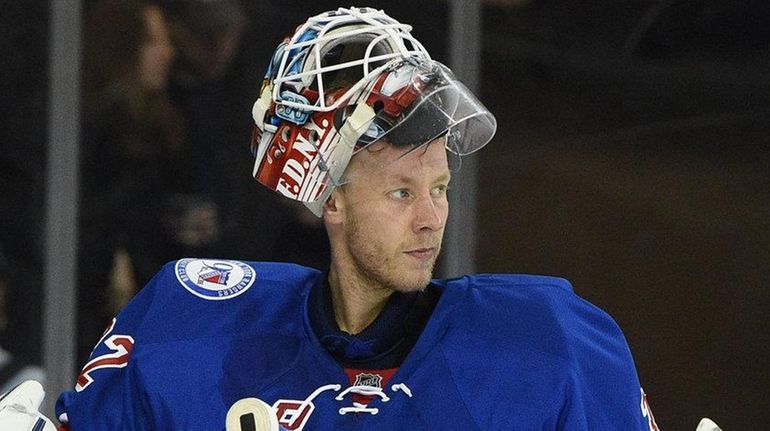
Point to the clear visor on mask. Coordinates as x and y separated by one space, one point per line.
415 104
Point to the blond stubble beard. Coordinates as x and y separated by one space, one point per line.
374 267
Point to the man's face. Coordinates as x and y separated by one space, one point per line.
394 214
157 52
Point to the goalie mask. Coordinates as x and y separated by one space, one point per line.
344 80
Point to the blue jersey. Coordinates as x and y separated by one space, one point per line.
499 352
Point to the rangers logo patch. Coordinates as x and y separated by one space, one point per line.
214 279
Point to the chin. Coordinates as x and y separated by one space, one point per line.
413 282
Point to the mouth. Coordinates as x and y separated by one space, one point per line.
424 254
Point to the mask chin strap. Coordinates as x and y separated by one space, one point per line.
355 126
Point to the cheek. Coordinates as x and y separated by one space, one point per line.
443 210
378 229
149 62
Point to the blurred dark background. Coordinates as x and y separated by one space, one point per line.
632 158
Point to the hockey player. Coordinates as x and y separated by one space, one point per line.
357 121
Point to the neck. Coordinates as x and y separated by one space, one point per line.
356 302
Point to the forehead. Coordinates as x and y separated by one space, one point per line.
383 161
154 22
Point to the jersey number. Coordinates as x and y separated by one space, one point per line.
647 413
120 349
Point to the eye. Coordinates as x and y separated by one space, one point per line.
439 191
400 194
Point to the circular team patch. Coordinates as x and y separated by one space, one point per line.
214 279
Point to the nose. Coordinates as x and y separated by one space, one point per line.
168 51
429 213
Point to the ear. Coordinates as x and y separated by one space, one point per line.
333 209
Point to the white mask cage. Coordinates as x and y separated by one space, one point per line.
300 64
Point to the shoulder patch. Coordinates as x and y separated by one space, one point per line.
214 279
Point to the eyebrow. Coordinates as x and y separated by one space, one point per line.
445 177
